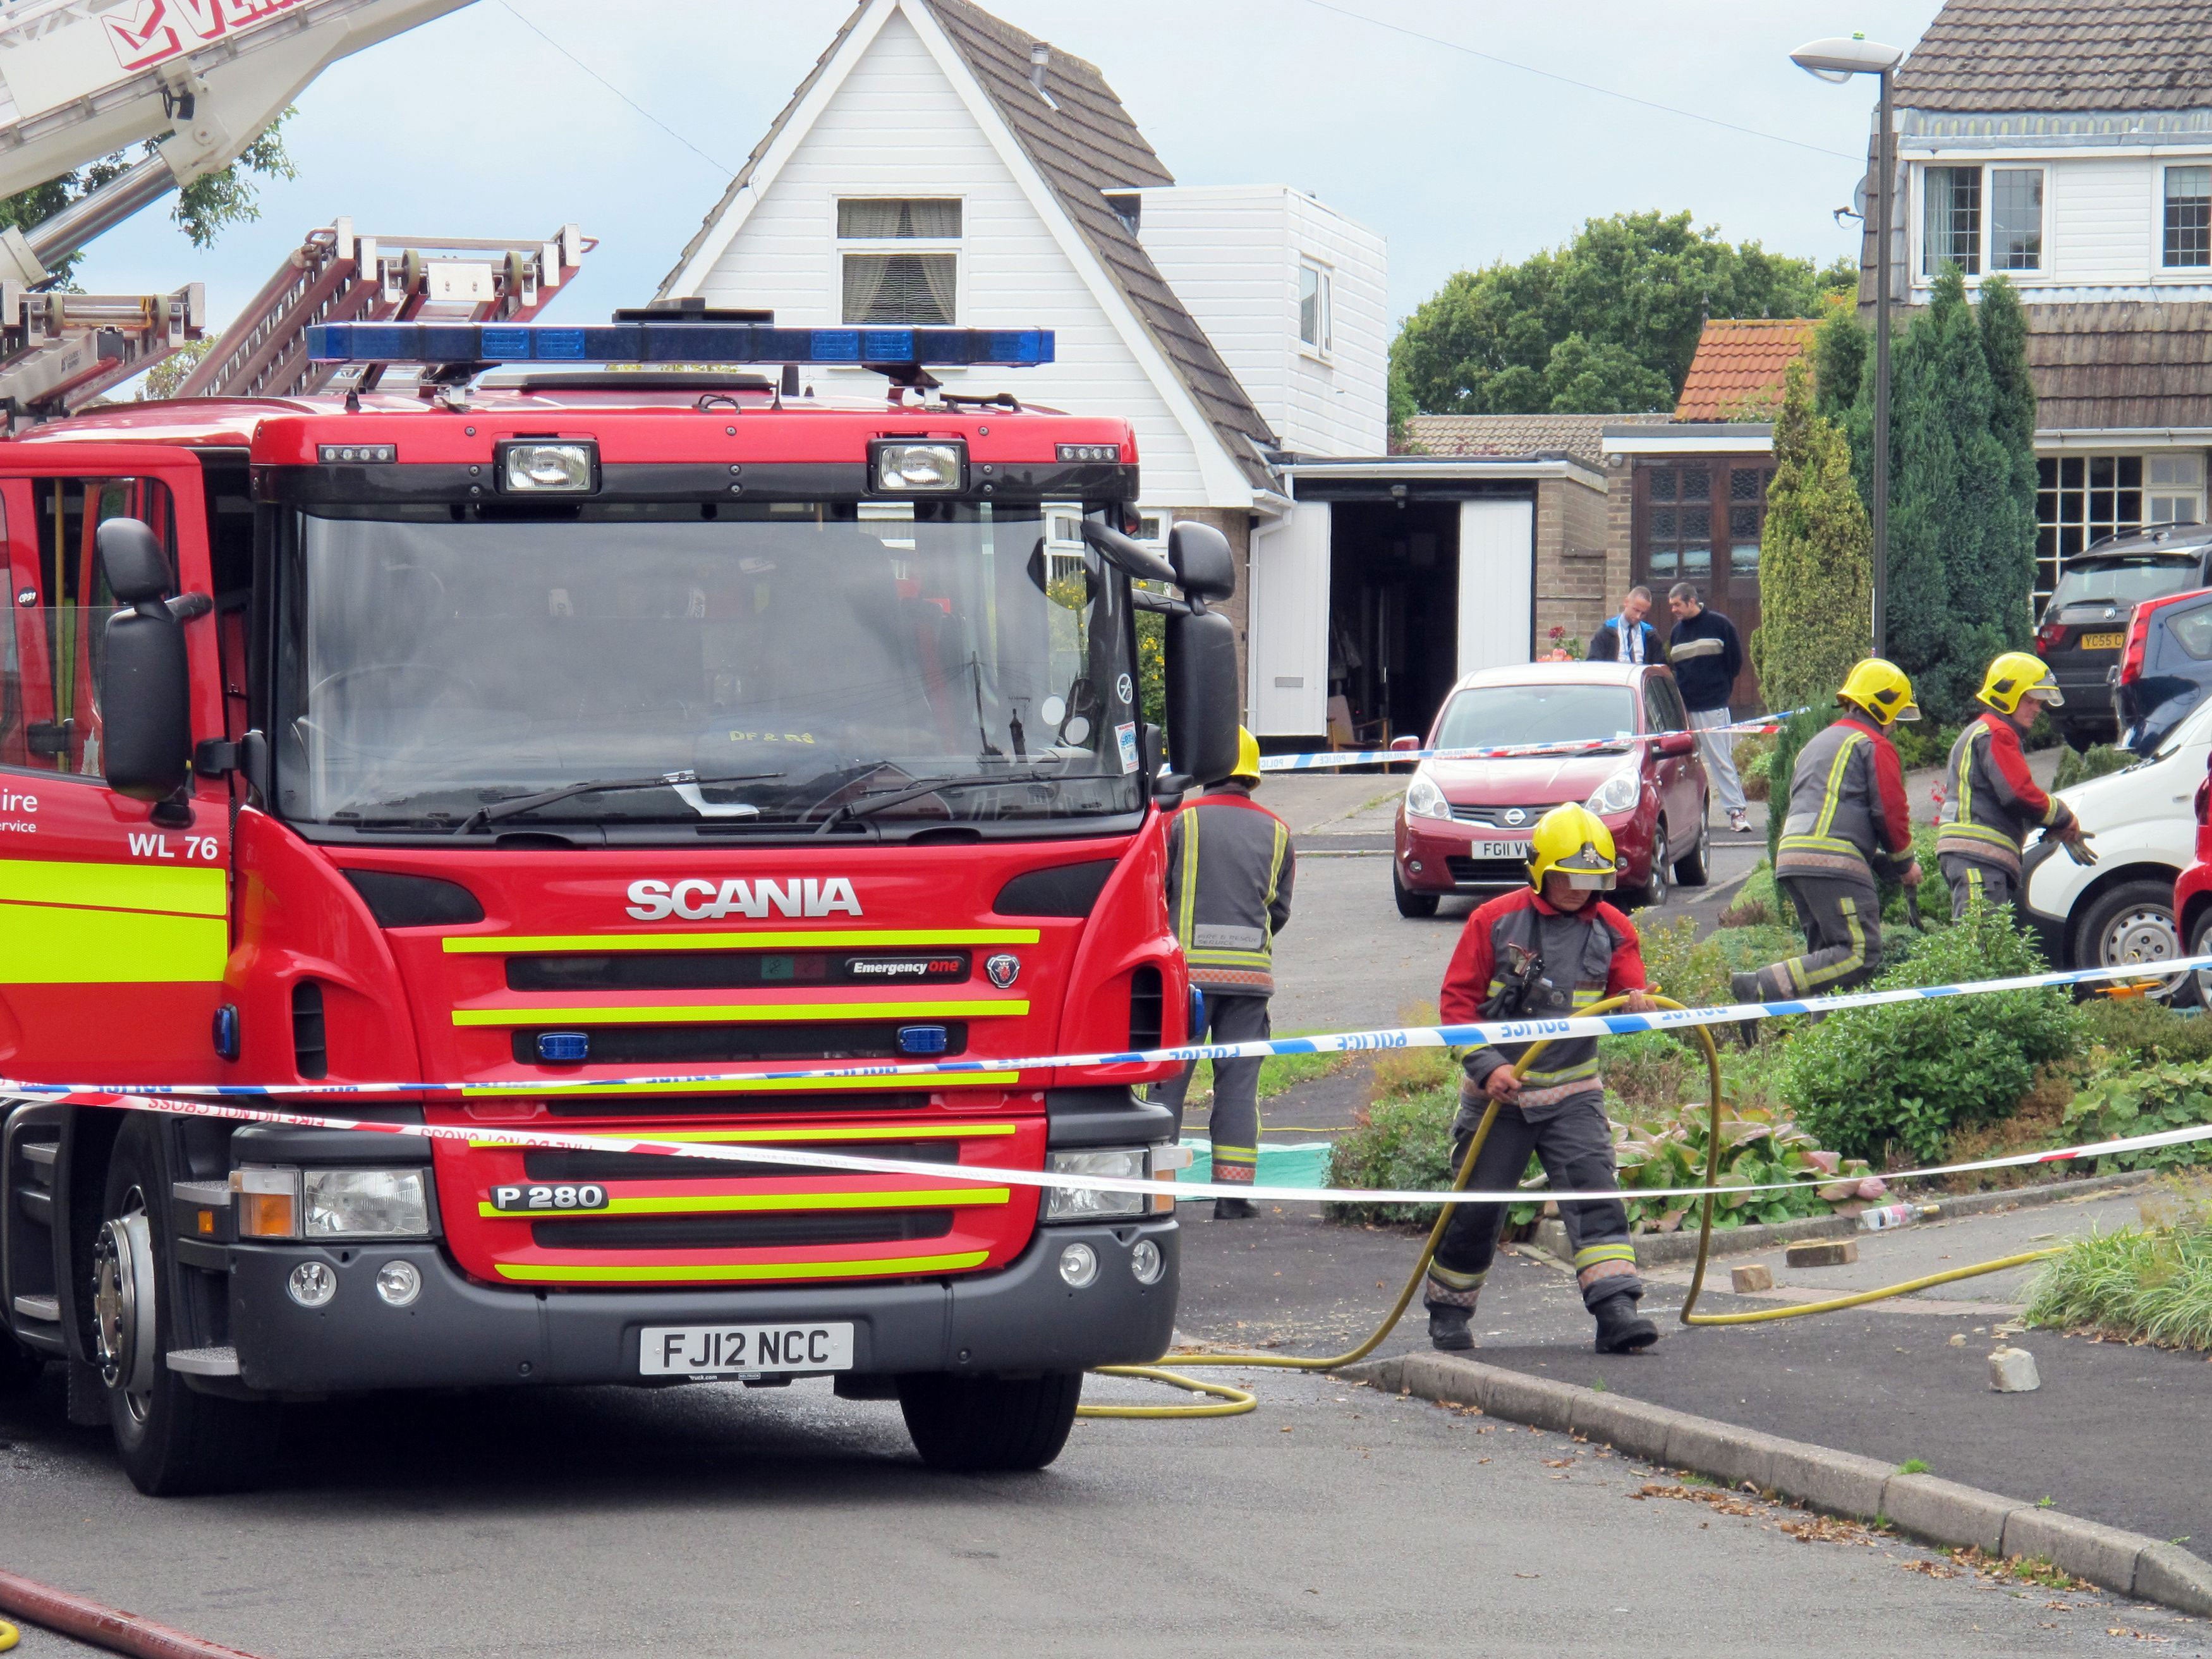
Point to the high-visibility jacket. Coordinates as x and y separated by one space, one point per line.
1229 871
1585 956
1847 816
1990 801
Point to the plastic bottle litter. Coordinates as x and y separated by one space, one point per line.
1883 1216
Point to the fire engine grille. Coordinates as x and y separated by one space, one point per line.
1487 872
648 1045
652 1166
707 1232
720 970
596 1102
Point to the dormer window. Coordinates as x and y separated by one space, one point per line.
2188 218
900 259
1981 218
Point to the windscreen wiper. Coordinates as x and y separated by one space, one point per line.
871 804
686 784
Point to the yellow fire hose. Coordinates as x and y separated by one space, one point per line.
1234 1402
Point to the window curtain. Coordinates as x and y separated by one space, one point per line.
941 271
869 219
865 275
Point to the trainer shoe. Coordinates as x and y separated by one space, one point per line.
1234 1209
1447 1327
1740 822
1620 1328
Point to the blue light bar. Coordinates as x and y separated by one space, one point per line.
676 342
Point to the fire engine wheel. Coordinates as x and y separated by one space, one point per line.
172 1440
989 1424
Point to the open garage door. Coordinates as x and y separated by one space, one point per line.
1497 583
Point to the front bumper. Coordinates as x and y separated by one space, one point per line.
2050 930
458 1333
1435 855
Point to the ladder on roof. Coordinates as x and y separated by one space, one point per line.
338 276
59 351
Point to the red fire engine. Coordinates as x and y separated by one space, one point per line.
564 721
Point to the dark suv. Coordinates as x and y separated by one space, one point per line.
2084 627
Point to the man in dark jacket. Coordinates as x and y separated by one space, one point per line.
1546 950
1230 868
1627 637
1706 655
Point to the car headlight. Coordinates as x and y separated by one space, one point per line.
1424 800
1093 1203
352 1203
1618 793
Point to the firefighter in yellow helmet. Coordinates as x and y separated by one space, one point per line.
1542 951
1229 869
1990 802
1846 821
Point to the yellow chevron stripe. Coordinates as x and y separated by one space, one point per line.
734 1085
710 1272
832 938
590 1013
739 1137
729 1203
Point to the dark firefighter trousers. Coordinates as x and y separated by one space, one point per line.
1842 920
1969 878
1234 1124
1574 1143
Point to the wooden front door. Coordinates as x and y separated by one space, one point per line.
1699 520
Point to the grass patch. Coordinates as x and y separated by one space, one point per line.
2149 1284
2141 1029
1913 1466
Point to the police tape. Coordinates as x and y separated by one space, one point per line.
1316 762
219 1102
817 1162
1475 1033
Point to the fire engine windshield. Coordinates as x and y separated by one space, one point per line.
800 662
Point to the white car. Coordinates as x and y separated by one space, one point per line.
2121 910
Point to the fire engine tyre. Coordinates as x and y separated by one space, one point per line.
989 1424
2134 921
1410 903
1693 868
172 1440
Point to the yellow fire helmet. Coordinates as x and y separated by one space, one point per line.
2016 675
1879 689
1573 841
1247 756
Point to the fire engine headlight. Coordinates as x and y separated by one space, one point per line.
1424 800
542 469
1093 1203
1618 793
904 469
376 1203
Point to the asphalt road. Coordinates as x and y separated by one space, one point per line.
712 1520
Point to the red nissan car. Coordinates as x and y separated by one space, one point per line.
1463 826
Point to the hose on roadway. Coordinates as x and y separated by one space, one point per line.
1229 1401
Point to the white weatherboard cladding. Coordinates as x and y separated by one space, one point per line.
896 126
1497 583
1287 647
1231 254
2103 229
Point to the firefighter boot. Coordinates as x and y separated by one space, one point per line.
1447 1327
1234 1209
1620 1328
1744 987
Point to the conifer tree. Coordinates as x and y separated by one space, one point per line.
1815 560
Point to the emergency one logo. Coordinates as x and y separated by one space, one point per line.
161 29
701 900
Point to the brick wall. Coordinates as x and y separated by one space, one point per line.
1620 529
1574 591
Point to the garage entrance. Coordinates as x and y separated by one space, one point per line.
1393 608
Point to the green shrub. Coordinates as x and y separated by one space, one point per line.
1759 1146
1398 1140
2143 1284
2146 1029
1905 1075
1923 743
1751 758
2078 766
2132 1099
1796 732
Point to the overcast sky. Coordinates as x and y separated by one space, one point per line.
476 126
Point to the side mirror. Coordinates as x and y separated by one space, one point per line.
1675 745
1405 746
145 679
1204 567
1131 558
1201 695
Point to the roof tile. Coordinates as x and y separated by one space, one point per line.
2048 55
1518 436
1738 369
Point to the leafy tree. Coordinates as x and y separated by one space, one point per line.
203 210
166 376
1815 561
1608 322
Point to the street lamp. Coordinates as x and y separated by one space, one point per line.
1838 60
